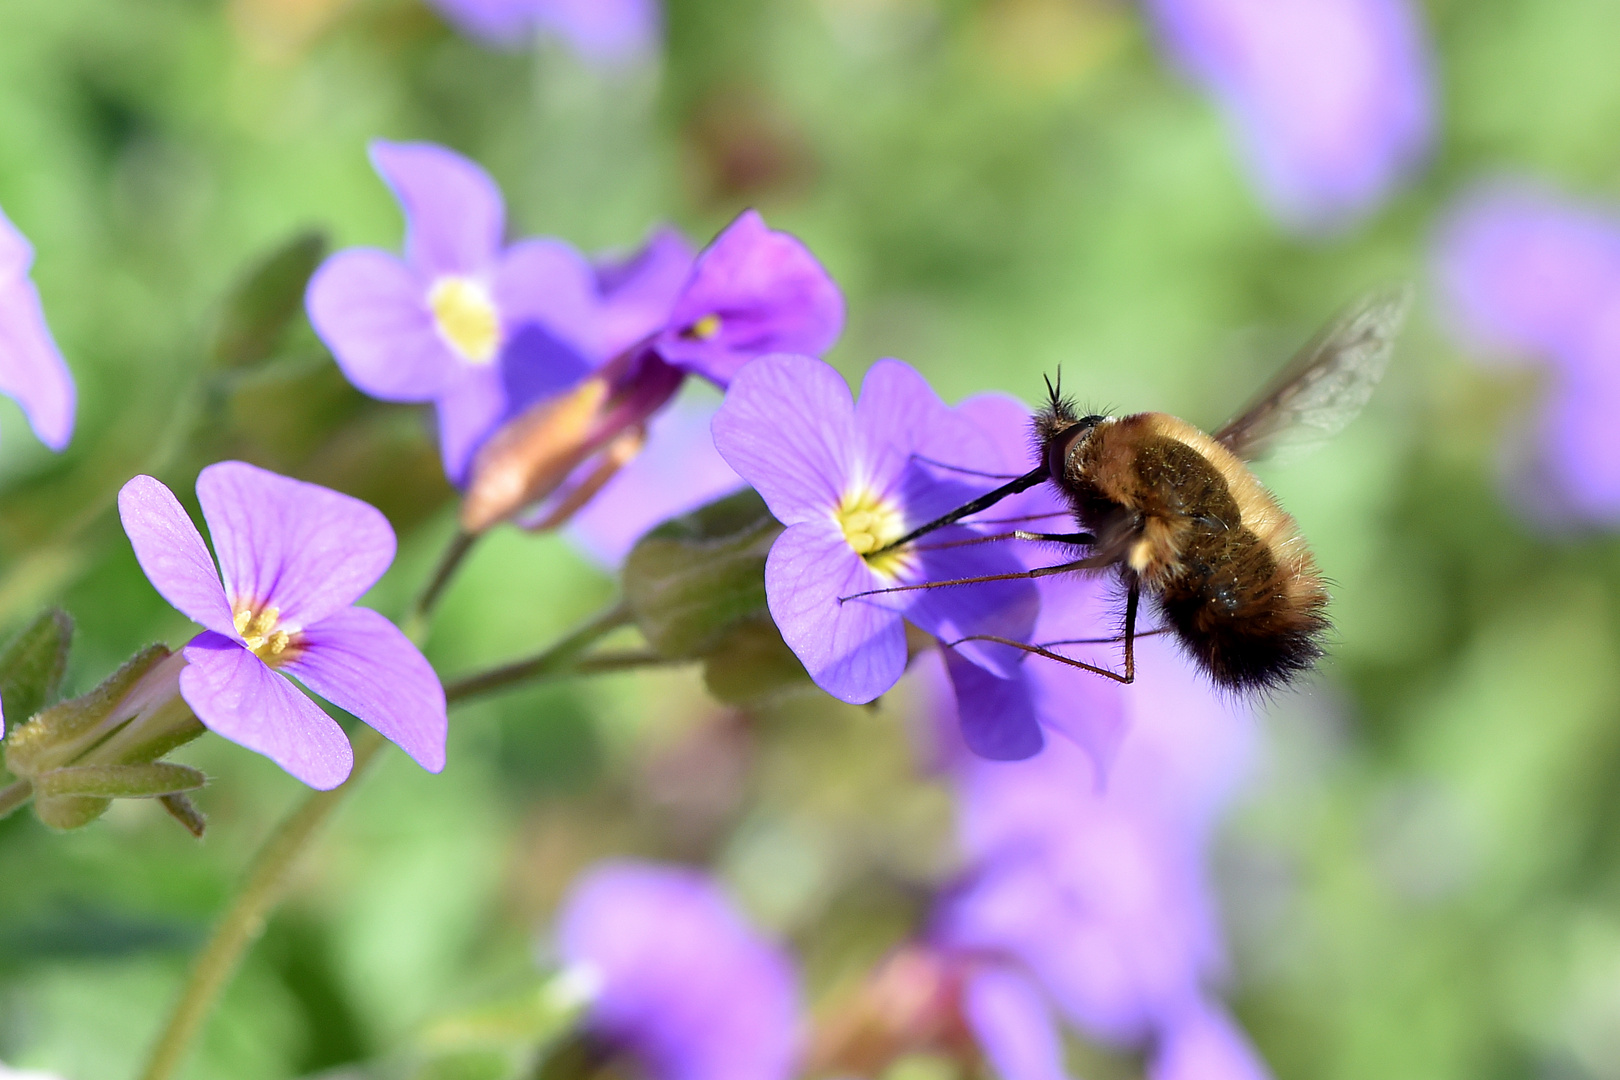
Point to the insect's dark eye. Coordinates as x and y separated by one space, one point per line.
1091 421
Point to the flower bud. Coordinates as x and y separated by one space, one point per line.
910 1003
534 454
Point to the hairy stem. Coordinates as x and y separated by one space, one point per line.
244 920
267 875
14 795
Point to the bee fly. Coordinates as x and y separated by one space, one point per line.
1183 519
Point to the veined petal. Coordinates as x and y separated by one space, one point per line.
752 292
997 715
32 371
235 695
638 293
304 549
172 553
546 281
787 427
853 650
371 310
454 214
1013 1025
361 662
468 413
1000 608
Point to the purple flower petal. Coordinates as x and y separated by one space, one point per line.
371 310
686 985
752 292
454 215
468 413
1013 1025
637 294
997 715
362 663
32 371
677 471
604 32
172 553
235 695
301 548
787 427
854 651
546 281
1206 1045
1331 97
1000 608
499 23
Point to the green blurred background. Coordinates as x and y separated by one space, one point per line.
1422 879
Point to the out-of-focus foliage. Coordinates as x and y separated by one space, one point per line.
1424 879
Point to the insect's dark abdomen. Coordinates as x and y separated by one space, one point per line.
1230 602
1231 608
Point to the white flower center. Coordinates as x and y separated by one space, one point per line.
466 317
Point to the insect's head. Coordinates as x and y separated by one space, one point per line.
1060 428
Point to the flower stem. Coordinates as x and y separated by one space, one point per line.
416 621
14 795
267 876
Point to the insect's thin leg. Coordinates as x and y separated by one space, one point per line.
1114 640
1023 517
1064 538
967 471
1036 650
1039 572
983 502
1132 598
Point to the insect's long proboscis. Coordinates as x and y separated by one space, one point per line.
983 502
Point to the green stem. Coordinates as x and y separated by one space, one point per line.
244 920
14 795
415 623
267 876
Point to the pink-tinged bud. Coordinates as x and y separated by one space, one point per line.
909 1003
533 455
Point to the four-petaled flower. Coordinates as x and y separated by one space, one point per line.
294 558
848 479
680 982
32 371
479 329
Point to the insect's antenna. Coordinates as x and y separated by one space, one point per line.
1054 394
983 502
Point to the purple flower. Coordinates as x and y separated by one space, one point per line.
637 295
752 292
677 470
683 984
1526 272
1090 893
606 33
1332 98
480 330
294 559
847 479
32 371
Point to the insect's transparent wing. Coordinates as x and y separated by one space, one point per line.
1326 383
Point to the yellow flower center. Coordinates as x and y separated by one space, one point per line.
261 632
871 522
466 318
705 328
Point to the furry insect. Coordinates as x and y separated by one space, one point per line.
1184 520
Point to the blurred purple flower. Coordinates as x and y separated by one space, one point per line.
1093 889
294 557
678 470
683 984
847 479
606 33
480 330
752 292
32 371
637 294
1332 98
1526 272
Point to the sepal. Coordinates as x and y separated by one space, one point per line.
265 302
31 665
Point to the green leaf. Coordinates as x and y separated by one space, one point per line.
70 811
120 781
31 665
263 304
60 733
752 665
690 581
